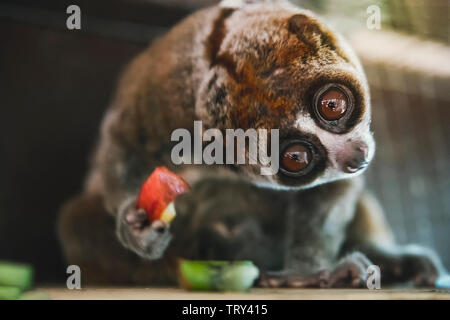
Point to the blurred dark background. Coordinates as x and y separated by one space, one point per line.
55 85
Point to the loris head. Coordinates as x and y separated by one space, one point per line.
275 66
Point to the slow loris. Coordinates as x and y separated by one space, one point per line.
242 64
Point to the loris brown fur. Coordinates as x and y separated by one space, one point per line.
253 66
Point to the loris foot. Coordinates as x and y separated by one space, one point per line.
416 264
134 230
279 280
351 271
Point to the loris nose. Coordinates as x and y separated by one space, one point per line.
357 158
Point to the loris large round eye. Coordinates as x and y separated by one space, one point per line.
332 104
295 158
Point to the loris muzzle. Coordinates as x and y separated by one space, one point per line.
242 65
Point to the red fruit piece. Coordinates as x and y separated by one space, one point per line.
160 189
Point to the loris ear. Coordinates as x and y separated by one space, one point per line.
311 32
241 3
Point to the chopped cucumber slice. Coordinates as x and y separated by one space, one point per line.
35 295
16 275
217 275
9 293
443 282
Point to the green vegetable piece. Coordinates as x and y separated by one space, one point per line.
238 277
217 275
9 293
443 282
16 275
35 295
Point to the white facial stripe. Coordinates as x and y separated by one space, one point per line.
335 143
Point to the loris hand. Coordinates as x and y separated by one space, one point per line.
148 239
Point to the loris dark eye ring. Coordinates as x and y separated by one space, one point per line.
333 105
296 157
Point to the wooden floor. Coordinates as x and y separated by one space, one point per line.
263 294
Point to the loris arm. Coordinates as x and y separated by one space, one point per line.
368 241
124 160
370 234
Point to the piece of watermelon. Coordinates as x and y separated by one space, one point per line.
158 193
